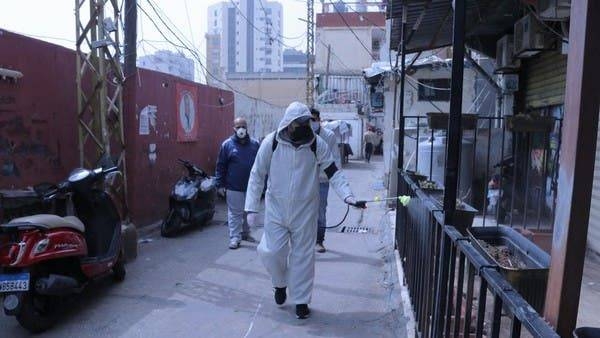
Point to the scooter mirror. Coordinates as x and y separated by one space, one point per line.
78 175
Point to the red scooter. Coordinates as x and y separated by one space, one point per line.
46 257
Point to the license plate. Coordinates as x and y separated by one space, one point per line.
14 282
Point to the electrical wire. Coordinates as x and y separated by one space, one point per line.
256 28
194 53
282 36
351 30
336 56
430 101
410 78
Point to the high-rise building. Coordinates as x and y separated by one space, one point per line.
244 37
294 61
166 61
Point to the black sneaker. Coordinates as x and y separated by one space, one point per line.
249 238
280 295
302 311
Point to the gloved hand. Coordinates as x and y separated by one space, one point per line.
221 192
357 204
251 219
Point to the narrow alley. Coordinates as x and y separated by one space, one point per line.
194 286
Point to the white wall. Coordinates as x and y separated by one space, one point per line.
343 43
262 118
413 106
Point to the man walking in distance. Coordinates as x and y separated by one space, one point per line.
235 161
369 140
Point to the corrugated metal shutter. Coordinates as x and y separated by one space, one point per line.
545 79
594 227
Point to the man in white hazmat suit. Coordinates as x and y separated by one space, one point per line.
292 157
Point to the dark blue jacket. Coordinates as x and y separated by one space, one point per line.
235 162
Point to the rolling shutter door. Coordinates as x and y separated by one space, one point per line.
545 78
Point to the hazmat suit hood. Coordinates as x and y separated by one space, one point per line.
294 111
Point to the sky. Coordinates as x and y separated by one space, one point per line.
54 21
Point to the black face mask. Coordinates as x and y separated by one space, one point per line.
301 133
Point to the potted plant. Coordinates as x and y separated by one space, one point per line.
530 123
463 214
524 265
415 175
440 121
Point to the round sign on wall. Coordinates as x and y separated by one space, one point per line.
187 112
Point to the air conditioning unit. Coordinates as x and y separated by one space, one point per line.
530 37
505 63
554 10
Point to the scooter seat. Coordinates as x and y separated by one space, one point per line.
51 221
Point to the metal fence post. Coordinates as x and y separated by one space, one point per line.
452 160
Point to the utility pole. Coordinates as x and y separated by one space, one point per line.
130 37
310 52
327 67
99 83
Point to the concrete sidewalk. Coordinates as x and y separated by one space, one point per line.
192 285
356 287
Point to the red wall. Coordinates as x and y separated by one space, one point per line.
38 125
150 183
38 113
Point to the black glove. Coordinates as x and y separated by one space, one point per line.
361 204
357 204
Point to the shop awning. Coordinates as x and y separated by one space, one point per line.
429 23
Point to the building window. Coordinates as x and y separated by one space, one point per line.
216 12
428 90
215 23
268 51
267 61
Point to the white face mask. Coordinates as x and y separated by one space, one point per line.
315 125
241 132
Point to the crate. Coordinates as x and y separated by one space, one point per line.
530 281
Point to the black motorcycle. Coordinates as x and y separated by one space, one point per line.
192 201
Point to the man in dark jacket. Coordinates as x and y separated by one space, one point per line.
235 161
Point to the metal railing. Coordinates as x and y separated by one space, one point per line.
512 175
454 289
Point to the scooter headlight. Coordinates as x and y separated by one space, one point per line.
41 246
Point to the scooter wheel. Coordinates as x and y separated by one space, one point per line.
170 224
38 313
